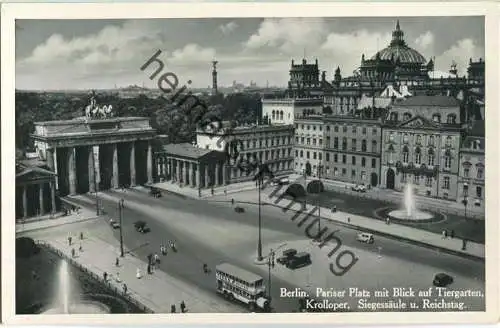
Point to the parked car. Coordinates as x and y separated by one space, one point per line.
239 209
114 224
442 280
141 226
155 192
365 237
275 181
359 188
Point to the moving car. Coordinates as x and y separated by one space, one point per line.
114 224
141 226
442 280
286 256
299 260
365 237
239 209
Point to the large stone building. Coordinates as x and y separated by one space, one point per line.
267 143
86 154
471 180
421 140
284 110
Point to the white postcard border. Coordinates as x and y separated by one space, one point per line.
13 11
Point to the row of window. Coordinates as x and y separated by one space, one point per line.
336 172
354 129
319 156
479 173
354 143
273 141
479 191
278 115
267 155
418 139
450 118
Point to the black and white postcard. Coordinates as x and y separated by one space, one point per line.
249 163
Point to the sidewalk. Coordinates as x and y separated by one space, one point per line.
157 291
393 230
190 192
82 215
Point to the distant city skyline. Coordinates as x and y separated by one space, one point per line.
102 54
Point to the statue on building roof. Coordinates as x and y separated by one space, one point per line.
93 111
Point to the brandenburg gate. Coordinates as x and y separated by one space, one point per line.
88 154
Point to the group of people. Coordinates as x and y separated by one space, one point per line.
182 306
70 243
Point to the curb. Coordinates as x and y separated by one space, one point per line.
392 236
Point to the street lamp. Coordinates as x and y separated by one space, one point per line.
270 258
259 243
320 169
120 209
465 201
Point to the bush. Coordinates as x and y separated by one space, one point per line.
26 247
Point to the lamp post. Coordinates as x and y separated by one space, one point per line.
320 169
465 201
120 209
270 258
259 243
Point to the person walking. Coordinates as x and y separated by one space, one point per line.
118 279
444 234
117 262
125 289
452 233
72 252
138 273
81 235
69 240
105 276
183 307
157 259
80 248
172 308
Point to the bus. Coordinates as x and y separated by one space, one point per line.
235 283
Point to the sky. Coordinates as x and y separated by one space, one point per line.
100 54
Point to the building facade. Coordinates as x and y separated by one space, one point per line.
284 110
339 148
89 154
421 141
471 180
266 143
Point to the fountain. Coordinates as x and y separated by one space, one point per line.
410 211
66 300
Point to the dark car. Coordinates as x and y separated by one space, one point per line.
155 192
287 255
299 260
239 209
141 226
442 280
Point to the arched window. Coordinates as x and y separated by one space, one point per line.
274 115
451 119
363 145
344 143
363 162
374 146
436 118
418 156
281 115
430 157
406 154
431 140
301 153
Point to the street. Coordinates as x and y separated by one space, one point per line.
211 232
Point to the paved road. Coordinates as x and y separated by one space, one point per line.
216 220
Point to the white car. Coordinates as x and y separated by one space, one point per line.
359 188
284 181
365 238
114 224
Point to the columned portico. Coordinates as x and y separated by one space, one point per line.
192 166
89 154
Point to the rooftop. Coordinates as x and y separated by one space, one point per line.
432 101
186 150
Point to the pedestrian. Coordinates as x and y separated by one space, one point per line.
225 192
452 233
205 268
125 289
172 308
212 191
444 234
149 269
157 259
348 219
81 235
388 221
69 240
72 252
150 257
117 262
232 201
464 244
183 307
118 279
138 273
105 276
80 248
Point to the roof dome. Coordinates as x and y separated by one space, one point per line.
398 49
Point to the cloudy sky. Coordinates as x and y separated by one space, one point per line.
83 54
